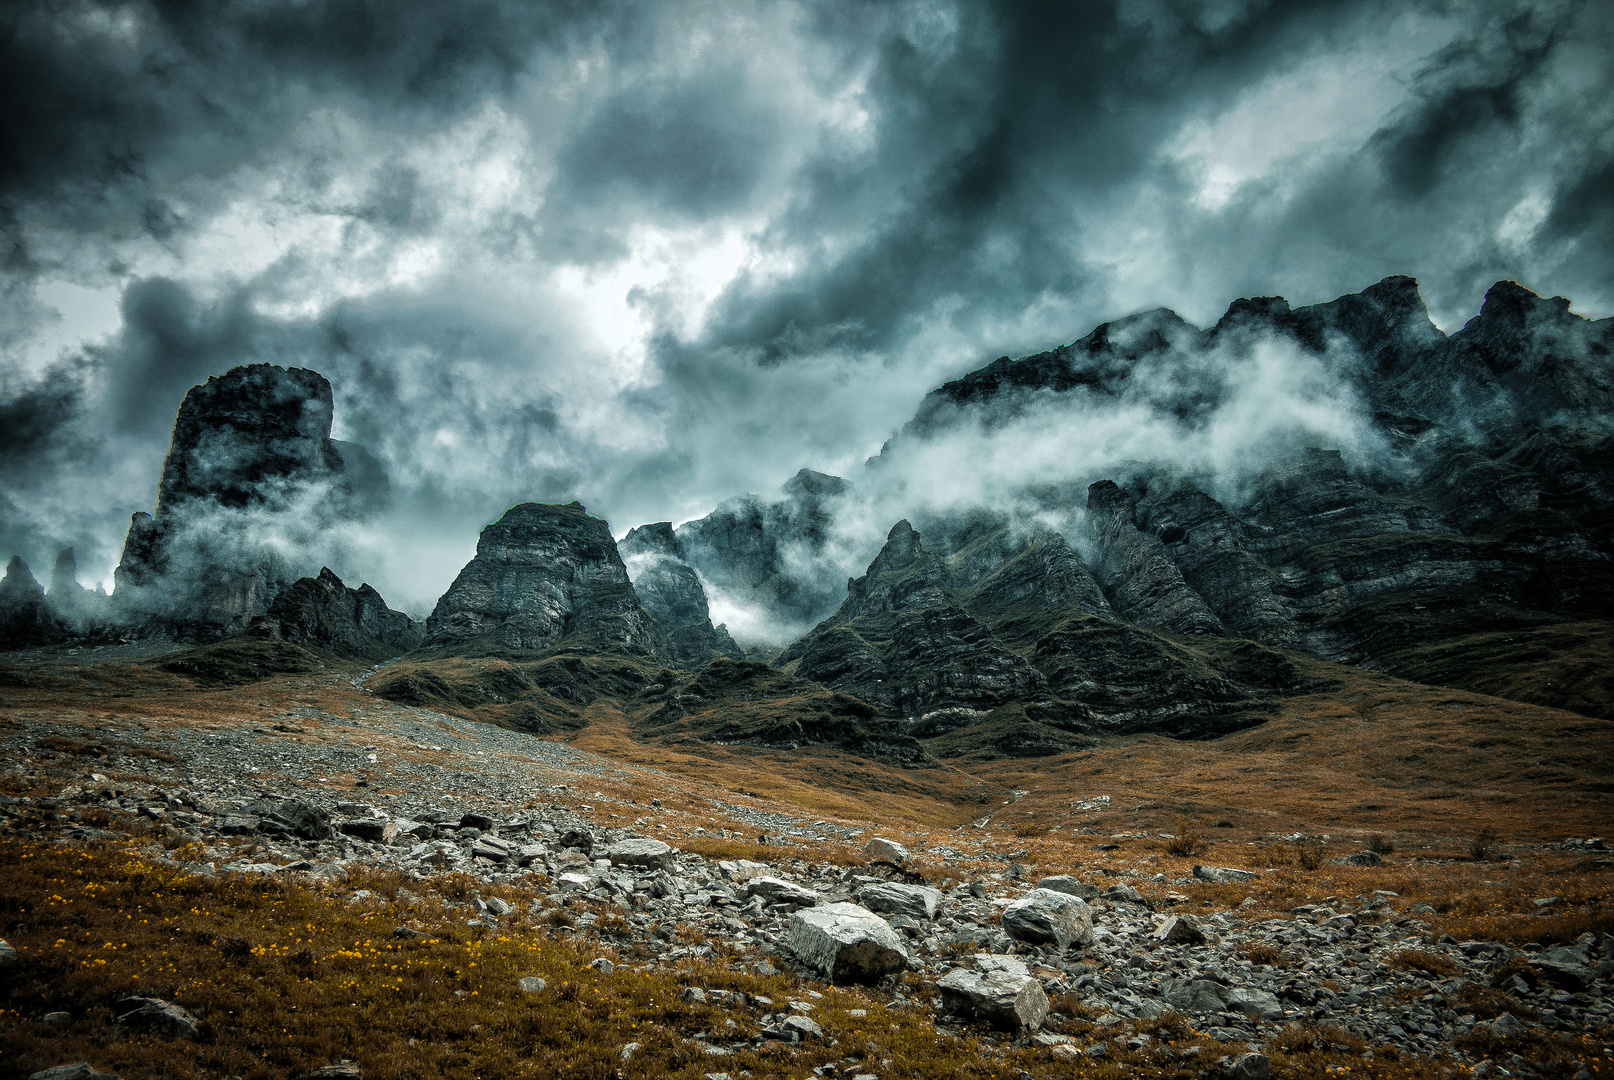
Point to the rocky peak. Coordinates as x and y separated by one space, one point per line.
25 616
543 572
657 538
808 485
901 548
671 590
242 436
64 577
19 585
353 623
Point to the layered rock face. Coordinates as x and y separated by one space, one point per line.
773 554
544 574
251 447
1006 644
1487 510
354 623
671 590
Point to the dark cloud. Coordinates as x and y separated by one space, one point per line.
653 255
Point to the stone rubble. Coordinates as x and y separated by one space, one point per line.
993 949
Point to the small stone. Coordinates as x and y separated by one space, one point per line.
1097 1050
603 965
476 821
1065 1052
499 907
1179 930
641 852
1366 857
155 1014
373 830
1224 874
1507 1025
1066 884
896 898
56 1019
779 891
532 984
407 933
1247 1067
1256 1004
694 995
880 849
342 1070
628 1050
77 1071
581 839
801 1029
8 954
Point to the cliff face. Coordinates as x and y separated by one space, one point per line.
1489 511
544 574
671 590
250 447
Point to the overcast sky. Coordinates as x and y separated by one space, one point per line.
651 256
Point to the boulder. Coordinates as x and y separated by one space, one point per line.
1256 1004
1066 884
882 850
1246 1067
155 1015
1224 875
846 942
1179 930
1195 997
640 852
779 891
1507 1025
1125 894
373 830
295 815
1365 857
1049 917
1008 999
581 839
895 898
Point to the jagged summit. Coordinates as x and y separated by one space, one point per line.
543 573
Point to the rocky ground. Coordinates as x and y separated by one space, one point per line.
974 938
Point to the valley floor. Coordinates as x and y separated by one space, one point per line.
144 856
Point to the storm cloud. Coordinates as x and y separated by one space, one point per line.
653 256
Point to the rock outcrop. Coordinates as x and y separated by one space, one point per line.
995 648
353 623
25 616
251 454
543 575
670 589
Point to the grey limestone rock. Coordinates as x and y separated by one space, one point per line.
898 898
882 850
1224 874
77 1071
156 1015
1179 930
1066 884
544 573
1049 917
846 942
1247 1066
641 852
670 589
1002 994
779 891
